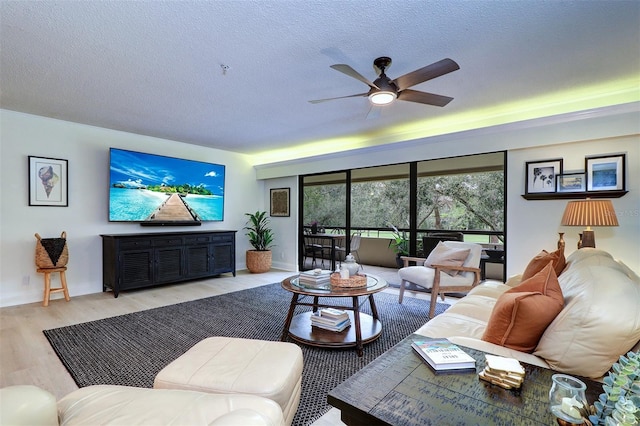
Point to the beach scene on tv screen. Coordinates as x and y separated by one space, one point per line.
147 187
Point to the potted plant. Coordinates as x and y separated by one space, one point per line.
261 238
400 245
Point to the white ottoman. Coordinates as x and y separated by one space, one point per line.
225 365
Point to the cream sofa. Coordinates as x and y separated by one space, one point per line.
219 381
600 319
121 405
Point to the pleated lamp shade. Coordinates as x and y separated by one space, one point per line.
589 213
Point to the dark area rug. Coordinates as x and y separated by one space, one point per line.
411 287
131 349
418 289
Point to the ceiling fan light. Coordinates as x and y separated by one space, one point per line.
382 97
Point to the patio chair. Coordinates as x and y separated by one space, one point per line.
452 267
313 248
431 240
354 245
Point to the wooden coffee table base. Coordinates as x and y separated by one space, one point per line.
301 331
363 329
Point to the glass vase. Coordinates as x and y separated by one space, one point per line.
561 242
566 395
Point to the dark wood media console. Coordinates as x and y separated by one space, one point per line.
131 261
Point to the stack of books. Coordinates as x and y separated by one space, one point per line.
316 277
507 373
331 319
442 355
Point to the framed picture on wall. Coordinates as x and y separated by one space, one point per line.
48 182
571 182
280 202
541 175
605 173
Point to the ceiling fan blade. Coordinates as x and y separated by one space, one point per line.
346 69
423 74
424 98
317 101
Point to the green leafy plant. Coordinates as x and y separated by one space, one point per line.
259 233
399 243
620 402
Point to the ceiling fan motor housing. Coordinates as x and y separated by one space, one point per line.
382 63
384 84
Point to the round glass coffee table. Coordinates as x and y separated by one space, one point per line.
364 328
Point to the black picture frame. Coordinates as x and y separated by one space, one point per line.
540 176
48 181
605 173
280 202
571 182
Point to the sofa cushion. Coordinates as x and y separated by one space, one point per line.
600 320
468 316
27 405
541 260
447 256
522 313
228 365
123 405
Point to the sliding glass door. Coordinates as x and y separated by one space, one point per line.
405 202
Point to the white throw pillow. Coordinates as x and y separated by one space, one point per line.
443 255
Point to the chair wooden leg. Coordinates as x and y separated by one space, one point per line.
434 295
63 282
47 284
432 306
401 295
47 289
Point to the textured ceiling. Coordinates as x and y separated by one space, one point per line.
154 67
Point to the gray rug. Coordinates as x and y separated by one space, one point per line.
131 349
418 289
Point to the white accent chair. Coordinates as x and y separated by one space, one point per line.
437 279
354 246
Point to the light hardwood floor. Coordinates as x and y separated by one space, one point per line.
27 358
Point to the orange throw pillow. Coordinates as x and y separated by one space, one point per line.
523 313
542 259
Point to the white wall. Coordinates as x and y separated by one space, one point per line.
285 249
571 137
87 150
531 225
534 225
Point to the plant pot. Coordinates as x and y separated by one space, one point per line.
399 262
258 261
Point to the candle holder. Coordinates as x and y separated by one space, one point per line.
566 399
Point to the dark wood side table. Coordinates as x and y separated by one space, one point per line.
486 259
364 328
399 389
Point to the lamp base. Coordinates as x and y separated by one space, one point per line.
588 239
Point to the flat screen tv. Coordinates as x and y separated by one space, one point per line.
157 190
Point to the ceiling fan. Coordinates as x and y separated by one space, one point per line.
383 90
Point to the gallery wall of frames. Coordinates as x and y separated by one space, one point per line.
603 177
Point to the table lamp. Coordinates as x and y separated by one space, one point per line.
589 213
